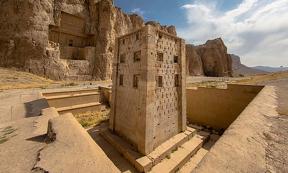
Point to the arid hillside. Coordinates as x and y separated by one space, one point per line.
240 69
16 79
12 79
264 78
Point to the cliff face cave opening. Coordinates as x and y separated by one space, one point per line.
74 44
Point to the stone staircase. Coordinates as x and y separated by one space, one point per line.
74 101
170 156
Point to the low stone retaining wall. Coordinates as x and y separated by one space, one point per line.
244 145
218 108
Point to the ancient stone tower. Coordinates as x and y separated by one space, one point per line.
148 104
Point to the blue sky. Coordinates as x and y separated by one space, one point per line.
168 12
256 30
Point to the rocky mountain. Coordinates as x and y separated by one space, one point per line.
270 69
75 39
240 69
209 59
64 39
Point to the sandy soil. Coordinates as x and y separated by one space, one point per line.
14 79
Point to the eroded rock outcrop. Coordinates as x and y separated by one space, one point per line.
216 62
240 69
85 30
194 62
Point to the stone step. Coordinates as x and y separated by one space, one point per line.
181 156
71 99
194 161
170 145
140 162
69 92
81 108
145 163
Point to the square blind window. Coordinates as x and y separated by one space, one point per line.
122 58
159 81
176 59
159 56
121 80
177 80
137 56
136 80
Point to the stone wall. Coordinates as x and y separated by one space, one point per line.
254 142
218 108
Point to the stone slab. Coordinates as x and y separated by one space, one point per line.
72 150
70 100
139 161
82 108
180 156
145 163
69 92
194 161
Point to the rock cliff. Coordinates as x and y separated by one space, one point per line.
27 28
209 59
194 61
240 69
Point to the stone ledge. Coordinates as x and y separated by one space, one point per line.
71 95
181 156
68 91
145 163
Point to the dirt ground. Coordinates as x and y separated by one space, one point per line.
278 140
15 79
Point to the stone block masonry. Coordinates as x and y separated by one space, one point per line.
148 93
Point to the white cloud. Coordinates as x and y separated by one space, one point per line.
138 11
257 30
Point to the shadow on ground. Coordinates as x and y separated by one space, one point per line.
119 161
33 108
40 138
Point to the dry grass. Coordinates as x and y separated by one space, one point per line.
13 79
207 84
90 119
263 78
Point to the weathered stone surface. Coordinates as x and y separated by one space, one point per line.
149 73
69 140
194 62
216 62
28 27
250 142
169 29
